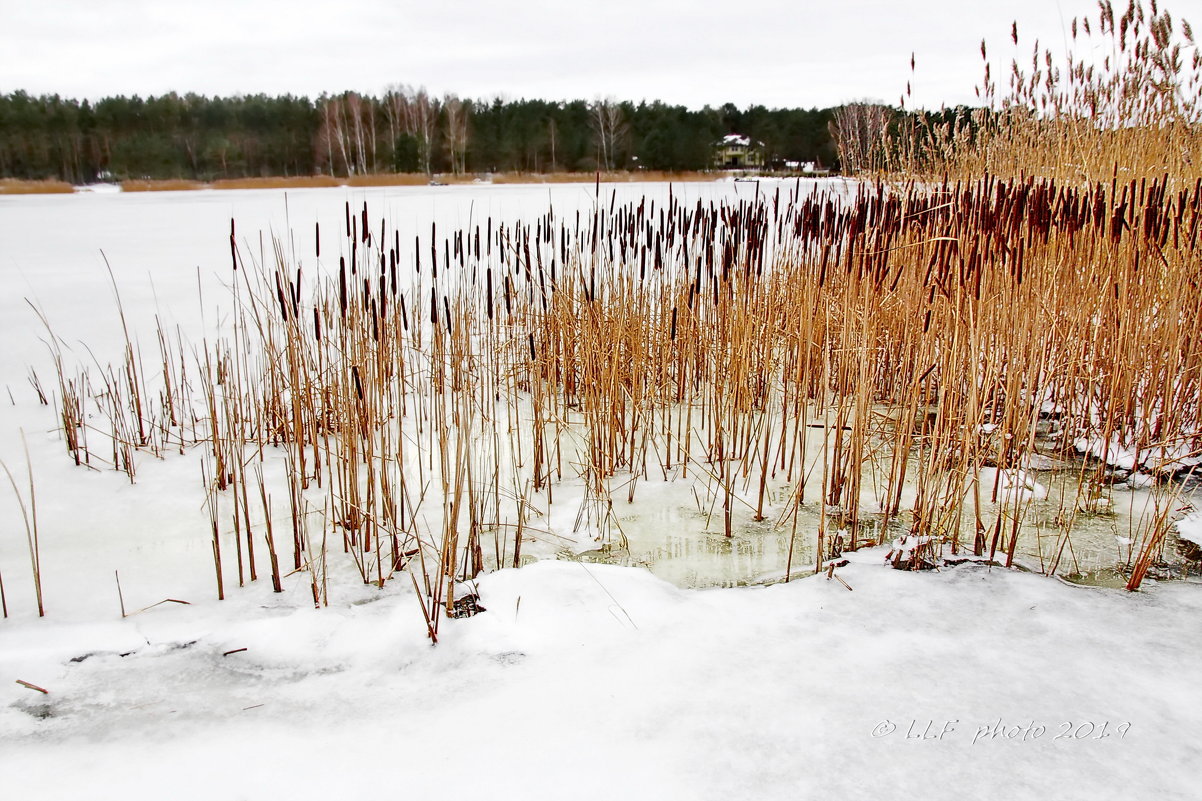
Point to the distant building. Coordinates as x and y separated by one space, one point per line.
804 167
738 152
798 167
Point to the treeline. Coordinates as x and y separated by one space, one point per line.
404 130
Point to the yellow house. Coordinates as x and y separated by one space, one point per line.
738 152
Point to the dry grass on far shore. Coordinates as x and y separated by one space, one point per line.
16 186
11 186
278 182
170 185
388 179
638 176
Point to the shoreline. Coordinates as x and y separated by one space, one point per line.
22 187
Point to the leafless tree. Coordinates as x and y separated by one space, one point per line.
334 135
348 133
354 108
424 119
456 136
414 113
609 128
861 134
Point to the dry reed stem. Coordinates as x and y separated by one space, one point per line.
30 686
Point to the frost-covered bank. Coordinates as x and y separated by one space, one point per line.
595 681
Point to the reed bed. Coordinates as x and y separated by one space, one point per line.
904 360
15 186
973 366
1121 101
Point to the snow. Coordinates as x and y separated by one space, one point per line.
1157 458
1190 528
100 188
600 681
1011 483
579 680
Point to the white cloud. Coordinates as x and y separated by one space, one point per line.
754 51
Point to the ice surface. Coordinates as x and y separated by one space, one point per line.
596 681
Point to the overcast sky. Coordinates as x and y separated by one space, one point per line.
801 53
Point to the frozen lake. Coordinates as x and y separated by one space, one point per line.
159 243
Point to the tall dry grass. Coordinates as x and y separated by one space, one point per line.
901 359
906 357
1122 102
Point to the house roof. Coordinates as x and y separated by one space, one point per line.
732 140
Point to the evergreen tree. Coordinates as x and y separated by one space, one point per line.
407 130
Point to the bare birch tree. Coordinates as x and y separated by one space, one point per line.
456 134
609 128
334 133
861 134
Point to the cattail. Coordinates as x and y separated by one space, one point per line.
279 291
342 286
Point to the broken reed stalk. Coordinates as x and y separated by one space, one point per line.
120 595
29 515
214 527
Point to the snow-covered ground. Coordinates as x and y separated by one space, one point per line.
605 682
579 681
